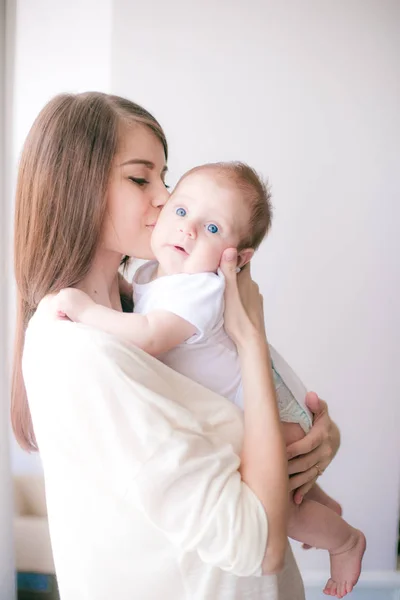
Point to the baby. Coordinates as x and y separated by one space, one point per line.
179 306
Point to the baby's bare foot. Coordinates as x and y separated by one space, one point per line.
346 565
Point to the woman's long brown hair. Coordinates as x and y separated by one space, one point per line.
60 205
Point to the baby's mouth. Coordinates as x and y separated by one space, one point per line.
181 250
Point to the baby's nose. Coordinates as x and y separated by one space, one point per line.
188 229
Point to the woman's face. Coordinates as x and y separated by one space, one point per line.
136 193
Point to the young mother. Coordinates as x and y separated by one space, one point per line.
147 496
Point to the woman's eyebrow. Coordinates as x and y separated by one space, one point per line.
138 161
142 161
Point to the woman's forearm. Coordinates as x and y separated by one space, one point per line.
263 458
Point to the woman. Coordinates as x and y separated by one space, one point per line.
146 495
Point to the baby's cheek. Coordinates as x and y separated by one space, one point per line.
213 257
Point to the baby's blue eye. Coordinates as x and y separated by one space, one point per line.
181 212
212 228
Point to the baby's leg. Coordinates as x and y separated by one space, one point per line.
317 525
318 495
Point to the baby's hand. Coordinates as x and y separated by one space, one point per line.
71 303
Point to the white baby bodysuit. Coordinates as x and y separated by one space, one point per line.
209 356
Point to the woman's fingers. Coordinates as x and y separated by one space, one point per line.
303 490
232 296
320 455
311 455
236 319
243 301
303 478
245 272
309 443
315 404
304 463
315 447
228 265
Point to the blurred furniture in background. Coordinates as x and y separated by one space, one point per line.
33 555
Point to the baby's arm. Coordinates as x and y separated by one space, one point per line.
155 332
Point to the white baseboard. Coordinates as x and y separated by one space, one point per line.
372 585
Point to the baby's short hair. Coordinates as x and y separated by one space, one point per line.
256 194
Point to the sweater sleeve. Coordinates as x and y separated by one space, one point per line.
192 491
120 416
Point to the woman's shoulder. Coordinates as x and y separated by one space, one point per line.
47 334
67 347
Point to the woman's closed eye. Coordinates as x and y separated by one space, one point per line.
140 181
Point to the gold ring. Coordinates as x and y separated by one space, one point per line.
319 471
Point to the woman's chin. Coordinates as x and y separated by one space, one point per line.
148 255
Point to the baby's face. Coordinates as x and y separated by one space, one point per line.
200 220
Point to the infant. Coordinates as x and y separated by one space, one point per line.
178 317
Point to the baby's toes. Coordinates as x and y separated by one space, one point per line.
340 592
349 587
330 588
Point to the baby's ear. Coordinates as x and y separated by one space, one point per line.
245 256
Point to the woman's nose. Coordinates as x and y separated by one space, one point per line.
161 197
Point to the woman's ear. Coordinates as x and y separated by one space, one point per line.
244 257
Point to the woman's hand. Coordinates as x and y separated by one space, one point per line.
244 315
309 457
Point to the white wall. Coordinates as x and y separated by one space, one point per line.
308 93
